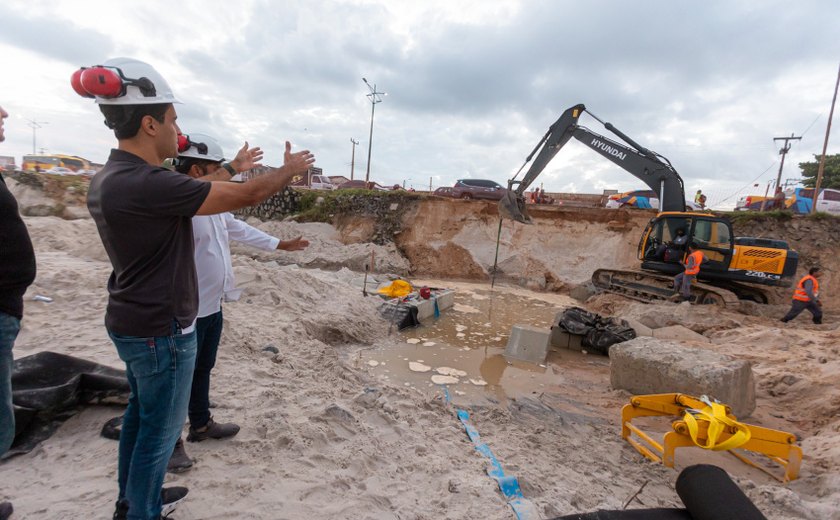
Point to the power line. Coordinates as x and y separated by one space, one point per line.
742 188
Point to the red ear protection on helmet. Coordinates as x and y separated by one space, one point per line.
107 82
184 144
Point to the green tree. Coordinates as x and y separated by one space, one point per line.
831 172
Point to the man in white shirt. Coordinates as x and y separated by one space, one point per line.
201 157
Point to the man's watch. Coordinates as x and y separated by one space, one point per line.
229 168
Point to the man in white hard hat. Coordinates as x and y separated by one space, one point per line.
143 213
203 159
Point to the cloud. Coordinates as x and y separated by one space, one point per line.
472 86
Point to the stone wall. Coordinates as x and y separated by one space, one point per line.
277 207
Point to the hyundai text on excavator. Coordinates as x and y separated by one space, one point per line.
736 268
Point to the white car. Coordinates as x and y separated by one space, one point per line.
60 170
321 182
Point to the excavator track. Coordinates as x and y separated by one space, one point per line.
648 287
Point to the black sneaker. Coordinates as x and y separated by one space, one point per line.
6 510
170 496
212 430
179 462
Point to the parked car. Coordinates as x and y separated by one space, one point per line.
751 203
801 200
321 182
473 189
642 199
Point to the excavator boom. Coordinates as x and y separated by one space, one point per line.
646 165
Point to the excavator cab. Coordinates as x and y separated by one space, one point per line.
665 242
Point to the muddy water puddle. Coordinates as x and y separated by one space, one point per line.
463 349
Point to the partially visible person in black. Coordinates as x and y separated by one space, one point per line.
17 272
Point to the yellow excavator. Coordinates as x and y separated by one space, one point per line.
737 268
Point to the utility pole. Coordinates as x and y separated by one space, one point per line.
35 125
375 97
785 149
784 152
821 167
353 157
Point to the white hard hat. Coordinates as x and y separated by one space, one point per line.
123 81
202 146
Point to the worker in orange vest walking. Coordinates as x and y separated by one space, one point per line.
682 282
807 296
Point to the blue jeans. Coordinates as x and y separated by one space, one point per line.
159 371
208 331
9 328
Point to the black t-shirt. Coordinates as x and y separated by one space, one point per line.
17 258
143 213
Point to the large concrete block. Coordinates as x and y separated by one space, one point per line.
528 343
652 366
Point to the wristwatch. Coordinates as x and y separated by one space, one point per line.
229 168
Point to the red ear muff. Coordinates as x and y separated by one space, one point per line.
102 82
76 83
183 143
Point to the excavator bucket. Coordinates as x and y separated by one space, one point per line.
513 207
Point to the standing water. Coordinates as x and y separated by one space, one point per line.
464 347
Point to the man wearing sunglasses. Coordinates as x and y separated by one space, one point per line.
201 157
143 213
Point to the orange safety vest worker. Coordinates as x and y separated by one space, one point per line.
800 293
692 268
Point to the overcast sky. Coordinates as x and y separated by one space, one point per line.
471 85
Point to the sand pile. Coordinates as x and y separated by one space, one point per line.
324 437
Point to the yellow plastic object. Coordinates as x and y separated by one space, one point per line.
701 416
397 289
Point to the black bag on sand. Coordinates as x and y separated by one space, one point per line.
599 333
578 321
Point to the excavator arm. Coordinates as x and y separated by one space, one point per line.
648 166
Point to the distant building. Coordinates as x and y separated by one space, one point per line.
7 162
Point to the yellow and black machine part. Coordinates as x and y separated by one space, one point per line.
710 425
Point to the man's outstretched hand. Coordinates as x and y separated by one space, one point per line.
296 244
247 158
298 162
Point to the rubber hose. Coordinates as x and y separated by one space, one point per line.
631 514
709 494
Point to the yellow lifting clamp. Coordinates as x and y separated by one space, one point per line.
709 425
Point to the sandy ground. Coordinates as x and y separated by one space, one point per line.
327 436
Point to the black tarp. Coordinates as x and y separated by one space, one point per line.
49 388
599 333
